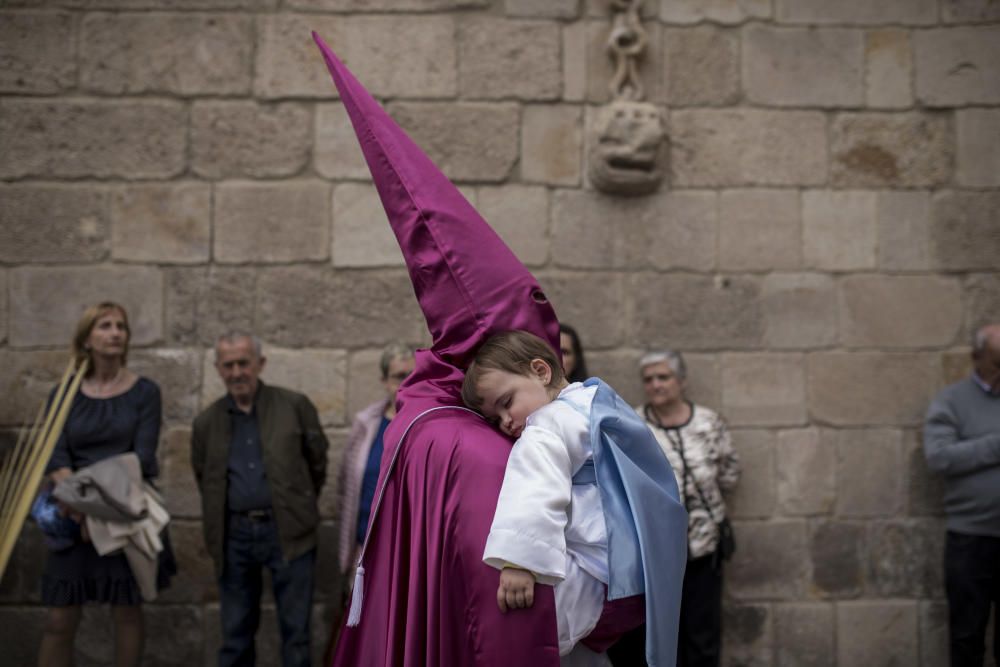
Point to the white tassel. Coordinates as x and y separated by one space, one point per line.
357 598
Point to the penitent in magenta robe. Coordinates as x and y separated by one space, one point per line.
428 597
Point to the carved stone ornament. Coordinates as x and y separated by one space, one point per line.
626 148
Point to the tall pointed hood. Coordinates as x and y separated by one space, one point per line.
467 281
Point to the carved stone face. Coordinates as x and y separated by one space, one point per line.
625 151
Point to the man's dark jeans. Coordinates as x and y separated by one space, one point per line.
252 544
972 579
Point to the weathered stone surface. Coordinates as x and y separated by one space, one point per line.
45 304
924 490
32 56
336 150
494 54
760 230
264 222
177 482
964 232
576 297
718 11
178 373
955 365
26 379
747 635
839 230
168 223
870 472
906 150
468 141
962 11
978 148
319 374
386 5
904 231
148 4
889 69
803 66
753 497
21 580
862 629
195 580
905 558
551 144
858 12
327 501
92 139
183 54
806 472
520 215
957 66
800 310
361 233
899 311
870 387
21 632
174 635
934 632
574 61
747 147
204 303
701 66
837 550
416 55
244 139
982 300
364 380
53 223
771 561
553 9
803 635
704 313
303 306
763 389
3 305
600 66
666 231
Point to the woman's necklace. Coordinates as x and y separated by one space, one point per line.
105 389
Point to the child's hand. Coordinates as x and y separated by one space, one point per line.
517 589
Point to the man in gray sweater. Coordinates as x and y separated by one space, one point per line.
962 443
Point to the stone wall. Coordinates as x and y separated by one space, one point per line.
827 238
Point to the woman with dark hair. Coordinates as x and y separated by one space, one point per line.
574 365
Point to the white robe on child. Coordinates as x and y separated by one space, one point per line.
547 525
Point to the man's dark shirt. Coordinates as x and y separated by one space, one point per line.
247 488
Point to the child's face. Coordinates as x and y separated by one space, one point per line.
508 398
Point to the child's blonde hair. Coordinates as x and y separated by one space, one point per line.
511 351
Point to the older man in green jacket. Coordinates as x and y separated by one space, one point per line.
259 455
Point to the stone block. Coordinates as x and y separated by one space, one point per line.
519 214
554 9
26 380
862 629
864 388
763 389
176 481
336 150
839 230
753 497
494 54
319 374
906 558
180 54
799 67
899 311
901 150
747 635
803 635
32 50
771 561
837 550
161 223
130 139
888 69
231 139
204 303
670 230
934 632
301 306
924 490
982 300
904 231
414 6
195 580
574 61
21 630
957 66
46 303
178 373
955 365
364 380
858 12
551 144
469 141
799 310
174 635
272 222
327 501
594 302
416 55
733 147
600 67
717 11
760 230
704 312
978 148
53 223
870 472
969 11
21 580
701 66
3 306
806 472
361 232
964 230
